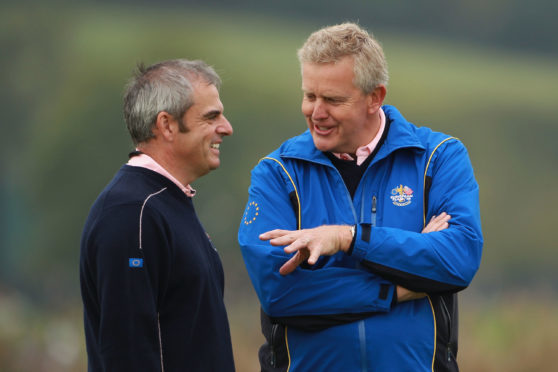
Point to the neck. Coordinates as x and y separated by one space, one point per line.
165 159
374 125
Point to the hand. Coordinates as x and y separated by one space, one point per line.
404 294
310 244
437 223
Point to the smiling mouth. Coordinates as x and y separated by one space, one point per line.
215 146
322 130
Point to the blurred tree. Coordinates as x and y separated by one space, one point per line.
512 24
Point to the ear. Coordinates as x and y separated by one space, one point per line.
166 126
376 98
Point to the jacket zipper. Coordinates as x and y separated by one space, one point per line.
348 194
362 339
448 317
373 219
272 343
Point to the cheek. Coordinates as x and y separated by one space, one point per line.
307 108
346 114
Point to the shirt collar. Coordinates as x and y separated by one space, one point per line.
364 151
146 161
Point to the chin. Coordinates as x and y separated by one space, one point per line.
323 145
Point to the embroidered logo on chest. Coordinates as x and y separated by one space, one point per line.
401 195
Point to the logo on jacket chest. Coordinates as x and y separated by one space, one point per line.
401 195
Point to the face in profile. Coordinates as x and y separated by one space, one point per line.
199 146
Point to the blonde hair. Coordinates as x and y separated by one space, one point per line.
331 44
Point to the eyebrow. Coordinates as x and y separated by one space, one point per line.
326 96
337 98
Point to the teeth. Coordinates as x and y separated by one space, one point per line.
215 146
321 128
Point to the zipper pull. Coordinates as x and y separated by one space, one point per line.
373 222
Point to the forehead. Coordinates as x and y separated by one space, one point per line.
206 97
328 76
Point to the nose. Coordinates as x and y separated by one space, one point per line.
319 111
225 128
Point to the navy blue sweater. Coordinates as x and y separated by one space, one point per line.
151 281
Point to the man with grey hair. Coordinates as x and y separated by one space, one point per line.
151 281
349 274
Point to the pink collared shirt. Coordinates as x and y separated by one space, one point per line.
363 152
146 161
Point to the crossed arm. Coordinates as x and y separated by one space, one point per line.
327 240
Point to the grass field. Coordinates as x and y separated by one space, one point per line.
510 333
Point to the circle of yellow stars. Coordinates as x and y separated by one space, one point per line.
247 220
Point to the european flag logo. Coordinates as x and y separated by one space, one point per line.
135 262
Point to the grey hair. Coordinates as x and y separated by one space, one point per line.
165 86
331 44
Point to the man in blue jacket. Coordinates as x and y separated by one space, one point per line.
151 281
334 236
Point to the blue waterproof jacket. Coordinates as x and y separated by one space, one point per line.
342 313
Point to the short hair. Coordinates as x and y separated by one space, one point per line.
331 44
164 86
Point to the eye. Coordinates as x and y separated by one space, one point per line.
310 97
212 115
334 100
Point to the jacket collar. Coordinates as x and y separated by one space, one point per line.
401 134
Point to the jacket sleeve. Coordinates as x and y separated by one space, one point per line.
436 262
323 291
128 291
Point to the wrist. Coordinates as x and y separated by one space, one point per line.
349 237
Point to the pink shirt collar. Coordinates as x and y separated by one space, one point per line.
146 161
363 152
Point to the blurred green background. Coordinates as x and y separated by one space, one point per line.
486 72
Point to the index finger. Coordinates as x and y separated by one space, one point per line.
272 234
